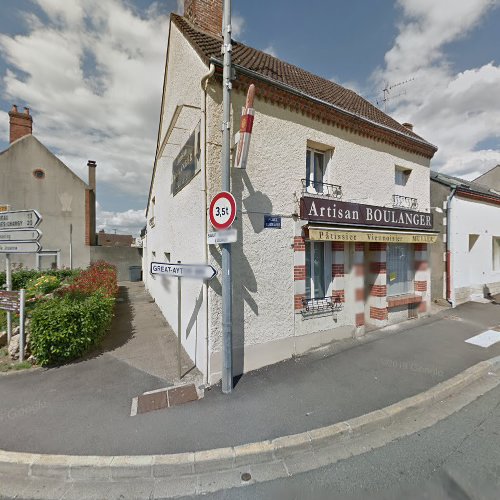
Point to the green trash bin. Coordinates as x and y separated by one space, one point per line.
135 273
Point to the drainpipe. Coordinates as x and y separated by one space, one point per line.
203 161
449 292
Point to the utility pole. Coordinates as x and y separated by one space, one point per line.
227 309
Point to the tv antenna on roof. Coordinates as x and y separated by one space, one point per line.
387 90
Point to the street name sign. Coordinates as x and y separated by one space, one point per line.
221 237
222 210
194 271
20 247
20 219
20 235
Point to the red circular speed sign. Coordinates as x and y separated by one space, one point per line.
222 210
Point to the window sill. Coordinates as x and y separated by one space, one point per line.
403 300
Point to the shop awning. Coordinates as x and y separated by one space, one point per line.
369 235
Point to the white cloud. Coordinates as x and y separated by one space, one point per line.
128 222
92 76
271 50
454 110
238 25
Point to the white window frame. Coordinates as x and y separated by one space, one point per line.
401 176
327 269
311 179
48 253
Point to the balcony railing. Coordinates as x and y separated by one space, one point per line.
399 201
152 222
321 189
322 304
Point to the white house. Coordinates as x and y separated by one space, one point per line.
466 259
347 187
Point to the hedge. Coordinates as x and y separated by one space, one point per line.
64 328
22 277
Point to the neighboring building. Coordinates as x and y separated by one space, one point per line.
490 179
347 187
466 259
114 240
31 177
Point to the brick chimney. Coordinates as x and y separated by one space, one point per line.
21 124
409 126
90 206
206 14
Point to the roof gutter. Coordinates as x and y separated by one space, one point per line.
450 296
292 90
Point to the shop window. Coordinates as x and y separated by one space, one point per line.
496 253
315 171
317 265
400 269
401 176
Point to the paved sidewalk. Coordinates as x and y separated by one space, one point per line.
84 408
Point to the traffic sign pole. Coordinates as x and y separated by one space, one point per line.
227 310
8 279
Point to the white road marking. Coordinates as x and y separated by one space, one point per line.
485 339
133 408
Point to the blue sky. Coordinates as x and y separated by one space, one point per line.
91 71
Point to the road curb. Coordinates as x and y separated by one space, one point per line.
110 468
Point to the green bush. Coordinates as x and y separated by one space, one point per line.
21 277
64 328
42 285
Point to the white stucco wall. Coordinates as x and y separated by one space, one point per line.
178 228
263 266
472 270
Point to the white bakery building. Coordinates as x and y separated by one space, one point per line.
334 221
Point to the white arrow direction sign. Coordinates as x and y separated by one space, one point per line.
195 271
20 247
20 219
20 235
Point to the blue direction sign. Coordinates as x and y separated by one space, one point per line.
20 235
19 219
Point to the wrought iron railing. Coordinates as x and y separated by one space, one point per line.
399 201
152 222
321 189
321 304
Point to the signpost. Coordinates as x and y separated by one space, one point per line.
20 219
20 247
179 271
17 235
222 210
222 237
20 235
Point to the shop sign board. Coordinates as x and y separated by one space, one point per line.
370 237
222 237
194 271
222 210
20 235
356 214
20 219
186 164
272 222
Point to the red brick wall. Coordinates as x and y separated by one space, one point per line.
206 14
298 301
299 273
378 313
378 291
21 124
299 244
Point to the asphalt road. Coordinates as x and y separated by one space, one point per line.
84 408
458 458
